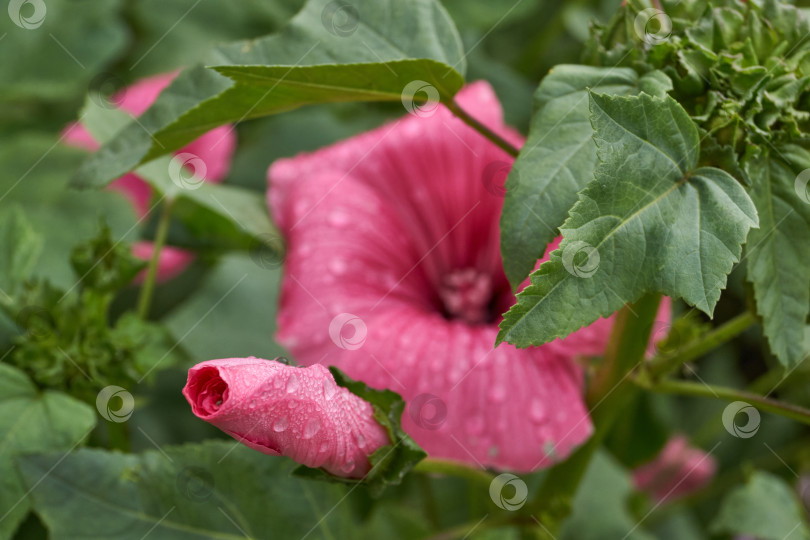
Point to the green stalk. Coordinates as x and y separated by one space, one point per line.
689 388
451 468
496 139
147 290
609 393
668 363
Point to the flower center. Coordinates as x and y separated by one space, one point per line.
466 295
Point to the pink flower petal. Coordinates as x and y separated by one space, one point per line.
283 410
394 235
677 471
171 263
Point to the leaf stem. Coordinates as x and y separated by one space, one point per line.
667 363
689 388
145 298
496 139
451 468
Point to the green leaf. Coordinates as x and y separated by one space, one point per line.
390 463
211 490
330 52
778 260
558 158
20 247
600 505
32 421
215 215
765 508
66 49
648 222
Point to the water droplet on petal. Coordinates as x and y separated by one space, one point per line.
537 411
292 384
338 266
361 441
292 404
324 447
281 424
339 218
329 389
497 394
312 427
347 467
278 382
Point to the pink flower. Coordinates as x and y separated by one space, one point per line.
284 410
215 148
678 470
393 274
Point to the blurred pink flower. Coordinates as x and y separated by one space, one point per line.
284 410
678 470
393 273
215 148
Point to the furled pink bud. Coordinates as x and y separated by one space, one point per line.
678 470
296 412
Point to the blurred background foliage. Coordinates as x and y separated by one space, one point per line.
84 46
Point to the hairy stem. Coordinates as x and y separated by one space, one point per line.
689 388
667 363
147 290
496 139
451 468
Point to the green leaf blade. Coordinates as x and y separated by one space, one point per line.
647 222
388 45
558 158
777 257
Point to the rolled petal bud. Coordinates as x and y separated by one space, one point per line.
296 412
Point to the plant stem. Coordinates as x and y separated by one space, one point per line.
499 141
689 388
118 436
451 468
662 365
145 298
610 391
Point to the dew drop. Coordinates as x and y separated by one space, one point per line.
329 389
278 382
292 384
292 404
312 427
339 218
324 447
361 441
497 394
348 466
537 411
281 424
338 266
